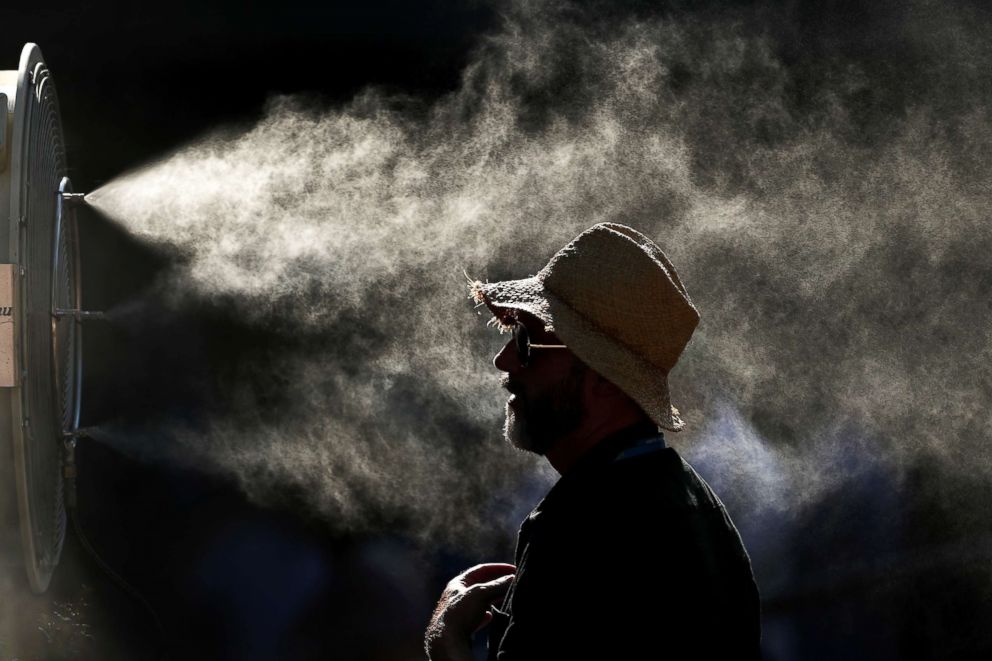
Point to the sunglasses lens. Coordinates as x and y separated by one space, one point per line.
522 341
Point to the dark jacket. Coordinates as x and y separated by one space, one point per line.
629 556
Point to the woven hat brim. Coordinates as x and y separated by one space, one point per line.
526 294
645 383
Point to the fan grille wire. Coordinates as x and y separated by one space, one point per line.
43 401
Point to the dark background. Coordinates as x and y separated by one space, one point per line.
233 580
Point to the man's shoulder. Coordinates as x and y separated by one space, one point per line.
638 496
662 480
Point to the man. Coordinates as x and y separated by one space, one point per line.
630 555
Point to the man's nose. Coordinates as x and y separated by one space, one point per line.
506 360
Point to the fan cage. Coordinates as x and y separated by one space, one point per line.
44 245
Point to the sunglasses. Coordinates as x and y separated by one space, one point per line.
521 340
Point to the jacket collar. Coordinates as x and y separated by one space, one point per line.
596 459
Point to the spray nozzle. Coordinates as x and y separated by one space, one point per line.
79 315
69 437
73 199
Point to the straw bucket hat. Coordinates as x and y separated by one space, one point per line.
613 297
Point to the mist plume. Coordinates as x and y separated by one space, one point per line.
829 219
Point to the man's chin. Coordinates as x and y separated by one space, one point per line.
516 433
511 426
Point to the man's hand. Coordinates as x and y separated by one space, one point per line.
464 609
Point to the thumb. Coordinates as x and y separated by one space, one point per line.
492 591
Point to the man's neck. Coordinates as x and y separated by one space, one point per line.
568 450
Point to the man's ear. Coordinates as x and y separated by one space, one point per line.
602 388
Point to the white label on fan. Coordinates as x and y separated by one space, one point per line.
7 326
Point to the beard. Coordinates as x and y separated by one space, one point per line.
535 423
